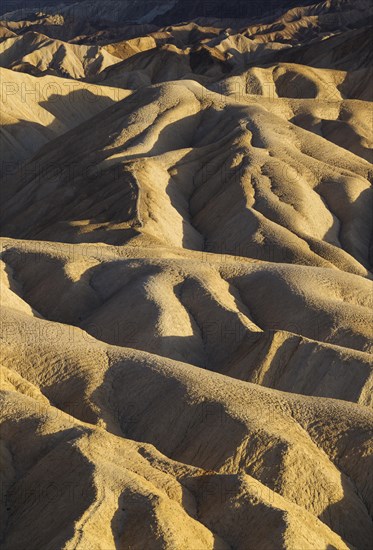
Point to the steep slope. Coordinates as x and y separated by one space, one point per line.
38 54
186 276
302 335
35 111
106 482
231 178
209 421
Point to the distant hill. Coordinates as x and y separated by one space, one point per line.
162 12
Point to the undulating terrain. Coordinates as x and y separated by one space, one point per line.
186 275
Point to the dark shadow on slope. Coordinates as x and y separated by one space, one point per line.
96 205
349 50
136 404
51 472
359 535
22 140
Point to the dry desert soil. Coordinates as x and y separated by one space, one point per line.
186 275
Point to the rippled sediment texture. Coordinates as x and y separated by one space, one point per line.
186 278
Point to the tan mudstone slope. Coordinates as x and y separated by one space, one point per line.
186 279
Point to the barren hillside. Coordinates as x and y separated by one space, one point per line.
186 276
